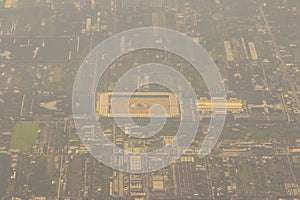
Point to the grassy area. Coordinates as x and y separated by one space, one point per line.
2 2
106 173
74 136
262 152
17 186
43 174
215 173
296 53
105 4
245 179
24 136
57 74
74 174
159 19
296 169
24 3
4 173
275 170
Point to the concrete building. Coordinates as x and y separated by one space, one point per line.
140 105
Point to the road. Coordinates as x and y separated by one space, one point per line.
209 179
279 57
62 167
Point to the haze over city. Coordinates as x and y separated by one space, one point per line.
149 99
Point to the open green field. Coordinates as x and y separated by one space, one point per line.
24 136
